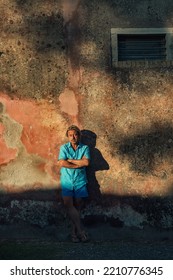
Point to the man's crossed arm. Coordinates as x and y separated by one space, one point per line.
74 163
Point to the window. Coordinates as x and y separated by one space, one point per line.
141 45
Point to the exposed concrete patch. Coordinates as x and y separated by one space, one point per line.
7 153
24 172
12 131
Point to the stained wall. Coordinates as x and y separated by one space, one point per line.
56 71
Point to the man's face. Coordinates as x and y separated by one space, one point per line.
73 137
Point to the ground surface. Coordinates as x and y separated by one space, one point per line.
106 242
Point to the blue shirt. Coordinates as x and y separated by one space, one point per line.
73 177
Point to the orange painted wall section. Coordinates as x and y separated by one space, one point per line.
39 134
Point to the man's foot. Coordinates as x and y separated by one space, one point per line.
83 237
75 238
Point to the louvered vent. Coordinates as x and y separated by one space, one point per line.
141 47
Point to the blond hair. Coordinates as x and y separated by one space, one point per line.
73 127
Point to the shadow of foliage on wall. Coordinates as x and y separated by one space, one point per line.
46 32
147 149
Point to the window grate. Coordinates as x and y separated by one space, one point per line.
149 47
141 47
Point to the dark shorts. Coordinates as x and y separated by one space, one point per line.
75 192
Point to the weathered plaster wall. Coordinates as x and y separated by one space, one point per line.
56 70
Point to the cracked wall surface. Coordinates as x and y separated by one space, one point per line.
55 70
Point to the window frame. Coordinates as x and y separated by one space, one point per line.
141 31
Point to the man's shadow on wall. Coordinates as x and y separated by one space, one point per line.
97 163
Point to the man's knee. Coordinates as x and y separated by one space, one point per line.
79 203
68 202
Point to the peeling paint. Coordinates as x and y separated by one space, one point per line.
69 103
31 144
7 154
55 71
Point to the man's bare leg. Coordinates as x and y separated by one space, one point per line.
73 214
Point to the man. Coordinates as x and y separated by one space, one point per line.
73 159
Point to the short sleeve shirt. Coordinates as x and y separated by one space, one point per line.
73 178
